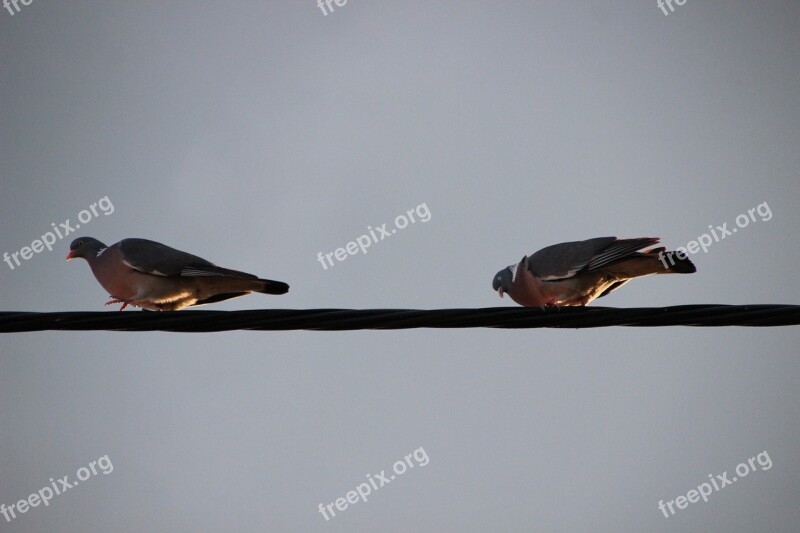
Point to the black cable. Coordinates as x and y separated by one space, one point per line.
353 319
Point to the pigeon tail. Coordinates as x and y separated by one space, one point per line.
681 266
273 287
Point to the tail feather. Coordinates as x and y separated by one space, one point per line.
645 264
220 298
273 287
680 266
671 262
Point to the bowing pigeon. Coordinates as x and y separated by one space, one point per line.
575 273
151 275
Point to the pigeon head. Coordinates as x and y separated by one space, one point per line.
502 280
85 247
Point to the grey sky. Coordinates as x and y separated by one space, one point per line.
257 134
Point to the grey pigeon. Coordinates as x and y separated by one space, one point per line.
575 273
153 276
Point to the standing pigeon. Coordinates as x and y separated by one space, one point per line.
575 273
151 275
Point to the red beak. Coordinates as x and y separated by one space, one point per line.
71 255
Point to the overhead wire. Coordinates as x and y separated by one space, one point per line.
704 315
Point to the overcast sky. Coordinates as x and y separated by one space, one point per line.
260 134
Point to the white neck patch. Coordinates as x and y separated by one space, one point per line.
513 269
100 251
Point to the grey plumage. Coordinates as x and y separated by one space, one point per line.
154 276
577 272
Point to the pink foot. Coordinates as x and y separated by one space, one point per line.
115 301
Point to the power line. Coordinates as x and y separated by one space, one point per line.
356 319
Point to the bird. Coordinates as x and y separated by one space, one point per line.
151 275
576 273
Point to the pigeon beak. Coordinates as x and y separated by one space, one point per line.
501 292
71 255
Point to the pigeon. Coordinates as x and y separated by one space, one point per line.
153 276
575 273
